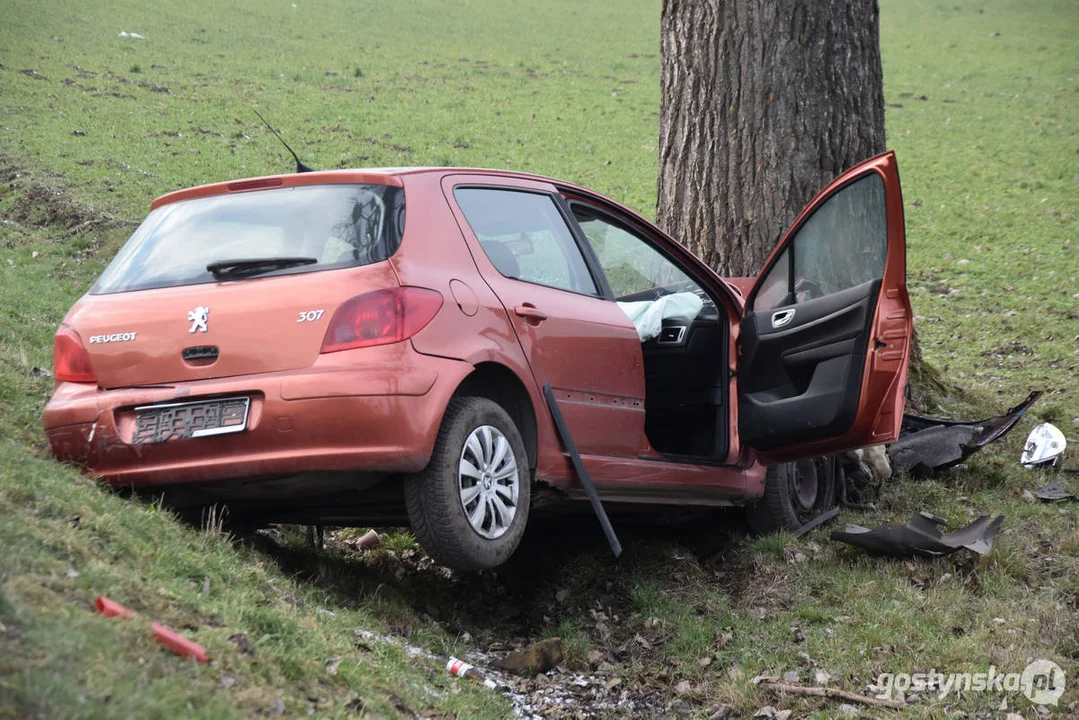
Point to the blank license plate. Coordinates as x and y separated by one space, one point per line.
161 423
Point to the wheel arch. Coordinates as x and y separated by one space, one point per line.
498 383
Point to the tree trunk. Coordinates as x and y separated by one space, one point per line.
763 103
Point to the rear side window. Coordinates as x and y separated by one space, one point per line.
336 225
526 238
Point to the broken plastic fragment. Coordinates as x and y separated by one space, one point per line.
922 537
1044 445
926 444
1053 491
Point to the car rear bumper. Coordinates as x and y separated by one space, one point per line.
375 409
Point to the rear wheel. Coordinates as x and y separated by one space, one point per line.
794 494
469 506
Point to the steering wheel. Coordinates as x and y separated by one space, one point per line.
811 288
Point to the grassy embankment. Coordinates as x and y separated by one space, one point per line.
980 112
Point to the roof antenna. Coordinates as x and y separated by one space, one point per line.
300 167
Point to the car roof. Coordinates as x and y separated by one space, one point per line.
374 176
736 287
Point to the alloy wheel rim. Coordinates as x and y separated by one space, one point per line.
488 481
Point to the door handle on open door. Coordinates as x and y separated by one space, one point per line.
783 317
530 313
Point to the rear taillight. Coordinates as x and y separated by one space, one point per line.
71 362
380 318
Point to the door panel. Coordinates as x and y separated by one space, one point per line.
592 358
826 334
805 374
580 342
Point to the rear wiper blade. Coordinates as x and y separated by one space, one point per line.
248 267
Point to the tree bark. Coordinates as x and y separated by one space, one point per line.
763 103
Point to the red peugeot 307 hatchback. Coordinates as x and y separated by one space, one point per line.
345 347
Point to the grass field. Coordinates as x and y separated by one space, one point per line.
981 100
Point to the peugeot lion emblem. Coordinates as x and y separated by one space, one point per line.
198 318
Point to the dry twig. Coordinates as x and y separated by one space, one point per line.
826 692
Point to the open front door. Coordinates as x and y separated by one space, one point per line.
826 334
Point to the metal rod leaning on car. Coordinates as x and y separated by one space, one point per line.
578 467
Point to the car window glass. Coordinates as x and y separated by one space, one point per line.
844 243
525 237
775 288
634 269
337 225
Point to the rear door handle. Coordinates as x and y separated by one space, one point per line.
782 318
530 313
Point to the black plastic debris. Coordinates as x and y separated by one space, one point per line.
1053 491
578 465
927 445
922 537
826 516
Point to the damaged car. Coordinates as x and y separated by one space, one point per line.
365 347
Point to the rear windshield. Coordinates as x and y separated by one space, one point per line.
337 225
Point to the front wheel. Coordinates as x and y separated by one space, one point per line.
469 506
794 494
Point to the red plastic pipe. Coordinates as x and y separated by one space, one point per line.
109 608
172 640
178 643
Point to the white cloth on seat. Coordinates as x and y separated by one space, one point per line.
648 315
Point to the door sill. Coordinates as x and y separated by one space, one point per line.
690 460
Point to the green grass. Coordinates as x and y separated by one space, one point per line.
987 146
66 542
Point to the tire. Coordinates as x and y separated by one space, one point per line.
794 494
443 503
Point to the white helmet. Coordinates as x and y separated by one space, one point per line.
1044 445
